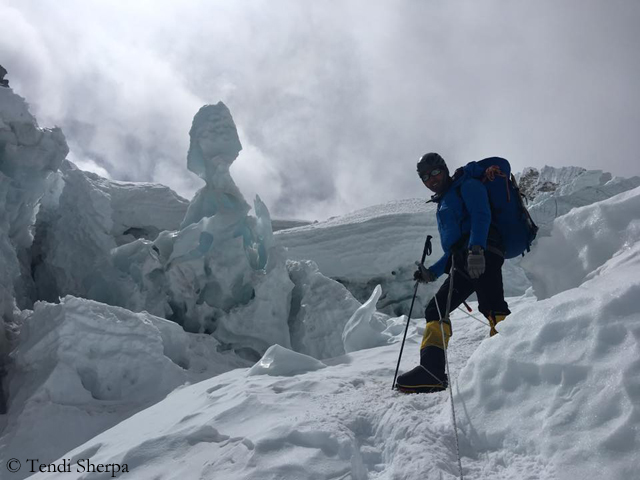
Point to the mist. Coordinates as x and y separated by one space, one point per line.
334 101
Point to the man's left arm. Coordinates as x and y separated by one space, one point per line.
476 200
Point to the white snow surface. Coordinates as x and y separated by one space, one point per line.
554 396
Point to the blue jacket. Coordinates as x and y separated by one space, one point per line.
462 210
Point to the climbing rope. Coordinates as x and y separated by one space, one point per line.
474 317
446 359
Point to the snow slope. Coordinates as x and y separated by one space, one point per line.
562 380
81 367
554 396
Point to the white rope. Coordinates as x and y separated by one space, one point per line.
446 359
474 317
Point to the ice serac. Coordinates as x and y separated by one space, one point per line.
209 265
214 146
320 308
28 155
220 272
121 243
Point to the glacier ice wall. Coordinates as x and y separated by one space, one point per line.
82 218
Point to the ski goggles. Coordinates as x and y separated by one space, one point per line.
426 176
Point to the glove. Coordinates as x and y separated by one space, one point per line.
475 262
423 274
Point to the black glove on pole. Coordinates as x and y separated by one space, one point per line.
425 252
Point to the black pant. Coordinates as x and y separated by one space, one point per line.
488 288
490 294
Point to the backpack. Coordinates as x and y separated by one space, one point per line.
508 211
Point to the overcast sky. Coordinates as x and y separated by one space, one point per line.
334 100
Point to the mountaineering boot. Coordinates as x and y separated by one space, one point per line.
493 321
421 380
429 376
492 325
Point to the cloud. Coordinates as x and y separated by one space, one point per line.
334 100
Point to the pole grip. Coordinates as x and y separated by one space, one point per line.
427 249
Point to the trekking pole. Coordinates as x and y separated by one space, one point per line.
446 358
426 251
